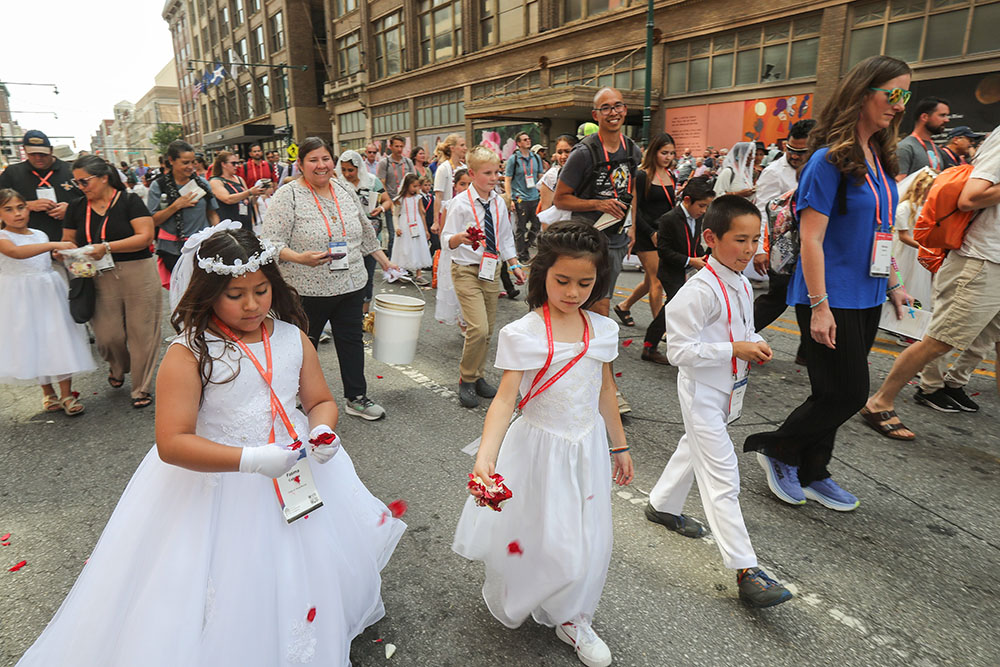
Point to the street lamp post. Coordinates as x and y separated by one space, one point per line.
647 112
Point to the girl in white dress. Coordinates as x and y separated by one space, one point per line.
198 565
446 306
547 552
410 251
39 341
913 191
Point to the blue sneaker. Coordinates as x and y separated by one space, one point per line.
783 480
828 494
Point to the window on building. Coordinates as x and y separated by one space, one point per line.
201 7
440 109
389 45
578 9
204 116
277 32
917 30
249 100
284 92
772 52
232 101
257 39
625 71
241 51
213 31
390 118
351 122
238 14
224 20
345 6
511 85
349 53
253 6
264 94
440 30
504 20
205 42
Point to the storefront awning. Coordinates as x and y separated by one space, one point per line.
565 102
244 133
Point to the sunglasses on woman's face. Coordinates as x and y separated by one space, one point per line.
895 95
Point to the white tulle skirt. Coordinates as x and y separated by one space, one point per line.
201 570
916 278
560 519
446 307
39 341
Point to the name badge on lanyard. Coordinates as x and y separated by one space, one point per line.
338 255
44 189
295 489
882 242
488 266
413 220
337 248
739 383
529 176
243 208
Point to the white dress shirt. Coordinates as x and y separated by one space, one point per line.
460 216
698 329
776 179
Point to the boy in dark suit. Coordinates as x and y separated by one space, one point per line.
680 247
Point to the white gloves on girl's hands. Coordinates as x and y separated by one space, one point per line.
269 460
323 443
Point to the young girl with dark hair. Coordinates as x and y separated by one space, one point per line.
547 553
200 565
410 250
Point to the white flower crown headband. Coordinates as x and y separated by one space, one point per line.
218 266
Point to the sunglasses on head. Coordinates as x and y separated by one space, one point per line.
895 95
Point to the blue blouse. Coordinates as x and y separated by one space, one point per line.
847 246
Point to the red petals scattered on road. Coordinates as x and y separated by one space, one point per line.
398 508
626 342
4 544
974 394
18 566
5 537
379 640
618 374
514 549
311 616
379 377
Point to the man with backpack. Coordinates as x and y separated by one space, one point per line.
523 173
596 185
967 286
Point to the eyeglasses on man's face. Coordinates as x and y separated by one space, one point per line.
606 109
796 151
895 95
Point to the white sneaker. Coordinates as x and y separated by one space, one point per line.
590 649
623 406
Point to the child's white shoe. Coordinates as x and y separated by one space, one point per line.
590 648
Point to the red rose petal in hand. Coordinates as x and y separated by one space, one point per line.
514 549
295 445
5 537
398 508
324 439
18 566
311 616
626 342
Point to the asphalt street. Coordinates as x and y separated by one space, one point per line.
910 578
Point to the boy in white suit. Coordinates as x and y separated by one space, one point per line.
711 339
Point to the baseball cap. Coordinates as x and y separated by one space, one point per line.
35 141
963 131
537 147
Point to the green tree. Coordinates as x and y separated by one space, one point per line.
164 134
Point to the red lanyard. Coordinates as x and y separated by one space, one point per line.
936 154
266 374
954 158
687 230
107 216
397 169
729 311
607 159
430 200
530 162
319 206
548 359
666 193
878 197
43 182
406 212
496 207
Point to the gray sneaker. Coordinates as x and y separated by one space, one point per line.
364 407
467 394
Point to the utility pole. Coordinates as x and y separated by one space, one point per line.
647 111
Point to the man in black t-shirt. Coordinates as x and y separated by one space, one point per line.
597 181
45 183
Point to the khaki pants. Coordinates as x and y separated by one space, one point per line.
478 300
126 321
936 374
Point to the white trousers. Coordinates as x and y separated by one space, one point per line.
705 452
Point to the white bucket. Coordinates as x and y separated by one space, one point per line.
397 327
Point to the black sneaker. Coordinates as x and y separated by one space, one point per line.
467 394
759 590
485 389
958 395
512 294
678 523
938 399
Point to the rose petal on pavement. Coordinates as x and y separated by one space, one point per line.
379 377
626 342
18 566
398 508
5 537
618 374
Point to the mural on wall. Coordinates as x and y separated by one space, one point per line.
768 120
501 138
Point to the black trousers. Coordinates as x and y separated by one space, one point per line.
390 231
655 330
840 384
769 306
508 282
524 235
343 312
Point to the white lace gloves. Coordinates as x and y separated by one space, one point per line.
323 443
269 460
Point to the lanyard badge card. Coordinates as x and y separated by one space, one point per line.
529 172
488 264
413 219
337 248
882 242
295 489
44 189
739 391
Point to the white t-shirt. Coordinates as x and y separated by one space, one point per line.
982 241
444 180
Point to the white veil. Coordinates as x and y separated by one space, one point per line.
740 160
181 276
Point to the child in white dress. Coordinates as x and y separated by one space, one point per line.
547 552
40 342
913 191
198 564
446 307
411 251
